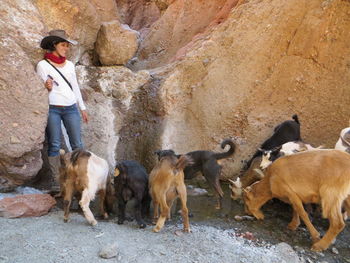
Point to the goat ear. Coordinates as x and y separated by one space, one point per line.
116 172
260 173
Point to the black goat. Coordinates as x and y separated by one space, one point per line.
287 131
131 181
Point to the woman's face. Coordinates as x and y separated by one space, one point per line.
61 49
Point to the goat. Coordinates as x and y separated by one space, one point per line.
207 163
269 156
166 182
252 175
343 143
131 181
319 176
287 131
85 173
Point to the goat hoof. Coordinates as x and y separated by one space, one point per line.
317 247
120 222
143 225
94 223
105 216
292 227
187 230
156 229
66 220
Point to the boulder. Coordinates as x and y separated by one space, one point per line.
26 205
80 18
23 111
21 22
116 43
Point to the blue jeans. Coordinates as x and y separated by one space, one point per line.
71 120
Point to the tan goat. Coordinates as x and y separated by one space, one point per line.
319 176
166 183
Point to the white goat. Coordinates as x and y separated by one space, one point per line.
288 148
83 172
343 143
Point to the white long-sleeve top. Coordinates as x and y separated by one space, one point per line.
61 94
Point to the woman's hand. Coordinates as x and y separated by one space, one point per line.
48 84
84 115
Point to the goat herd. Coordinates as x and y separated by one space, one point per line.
284 167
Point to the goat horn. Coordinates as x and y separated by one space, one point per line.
259 172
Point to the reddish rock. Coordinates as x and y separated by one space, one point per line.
26 205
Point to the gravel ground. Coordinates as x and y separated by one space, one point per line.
49 239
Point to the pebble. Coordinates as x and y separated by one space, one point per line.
335 251
241 218
299 249
14 140
109 251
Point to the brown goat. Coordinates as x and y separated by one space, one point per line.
84 173
166 183
319 176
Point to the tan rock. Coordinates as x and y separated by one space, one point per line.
26 205
116 43
80 18
21 22
21 94
236 82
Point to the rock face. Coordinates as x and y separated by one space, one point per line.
116 43
108 92
297 62
23 98
181 21
26 205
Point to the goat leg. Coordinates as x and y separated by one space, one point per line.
121 210
138 216
102 196
84 204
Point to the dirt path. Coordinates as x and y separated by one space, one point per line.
48 239
215 237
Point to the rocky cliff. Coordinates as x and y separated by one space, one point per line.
203 71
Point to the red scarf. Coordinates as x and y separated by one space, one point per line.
54 58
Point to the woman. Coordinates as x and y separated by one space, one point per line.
60 80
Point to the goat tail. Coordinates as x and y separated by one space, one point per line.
230 152
78 153
183 161
295 118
